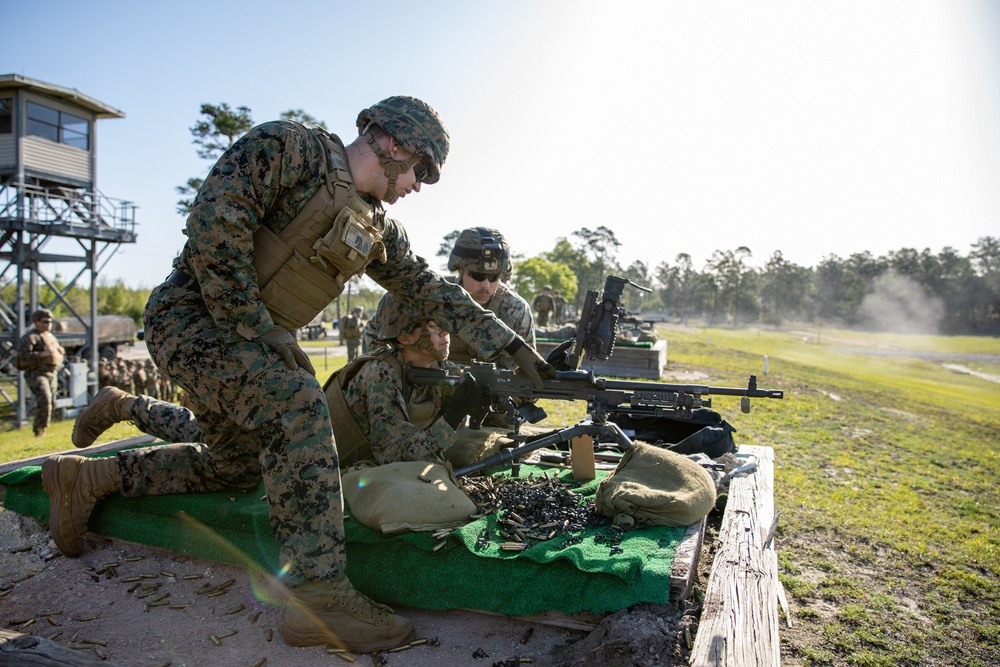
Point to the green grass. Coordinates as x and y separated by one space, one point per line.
886 480
886 473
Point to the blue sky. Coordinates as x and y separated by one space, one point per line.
813 128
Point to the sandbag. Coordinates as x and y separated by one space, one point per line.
473 445
656 487
395 498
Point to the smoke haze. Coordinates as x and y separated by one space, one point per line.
898 304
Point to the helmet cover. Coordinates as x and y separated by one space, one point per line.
415 126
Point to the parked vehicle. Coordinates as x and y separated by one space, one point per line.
115 333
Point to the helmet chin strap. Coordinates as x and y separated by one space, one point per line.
392 168
424 344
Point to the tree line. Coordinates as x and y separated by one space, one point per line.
906 290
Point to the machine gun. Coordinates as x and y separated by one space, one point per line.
513 394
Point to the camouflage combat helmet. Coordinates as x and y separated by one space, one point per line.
481 249
415 126
395 318
41 313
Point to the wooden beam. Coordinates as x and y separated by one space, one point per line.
33 651
739 618
96 449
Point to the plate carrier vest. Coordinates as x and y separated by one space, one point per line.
353 445
334 237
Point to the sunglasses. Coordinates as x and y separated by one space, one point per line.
480 277
421 171
45 321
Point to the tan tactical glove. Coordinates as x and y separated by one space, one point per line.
284 344
529 362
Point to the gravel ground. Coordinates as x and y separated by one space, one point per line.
95 603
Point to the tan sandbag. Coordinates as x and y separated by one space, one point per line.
473 445
395 498
656 487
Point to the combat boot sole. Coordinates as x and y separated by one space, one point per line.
309 632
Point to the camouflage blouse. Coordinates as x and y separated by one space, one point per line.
376 398
264 179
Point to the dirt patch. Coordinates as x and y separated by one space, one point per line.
968 371
141 607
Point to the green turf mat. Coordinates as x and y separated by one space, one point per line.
400 570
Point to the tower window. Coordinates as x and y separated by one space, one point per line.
59 126
6 115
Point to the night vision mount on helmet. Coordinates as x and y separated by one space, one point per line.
480 249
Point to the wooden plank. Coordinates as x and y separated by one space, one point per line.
579 621
739 618
96 449
685 566
33 651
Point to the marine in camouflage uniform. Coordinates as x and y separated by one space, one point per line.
40 356
484 278
559 305
211 327
543 304
353 328
152 380
387 419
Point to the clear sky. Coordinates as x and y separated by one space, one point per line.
813 128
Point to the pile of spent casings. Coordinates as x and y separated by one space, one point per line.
532 509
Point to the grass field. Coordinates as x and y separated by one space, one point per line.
886 471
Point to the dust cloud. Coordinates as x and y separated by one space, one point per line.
898 304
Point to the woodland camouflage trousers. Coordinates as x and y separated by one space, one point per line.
258 420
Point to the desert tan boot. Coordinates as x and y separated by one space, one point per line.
334 613
110 406
74 485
